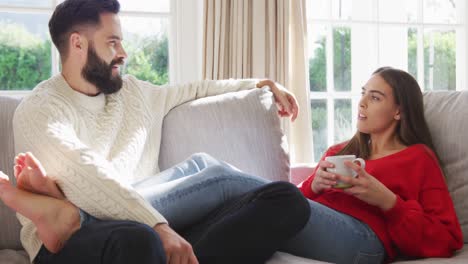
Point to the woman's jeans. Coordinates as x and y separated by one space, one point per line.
227 216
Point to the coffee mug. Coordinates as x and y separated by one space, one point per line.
343 170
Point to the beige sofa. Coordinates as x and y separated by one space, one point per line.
243 129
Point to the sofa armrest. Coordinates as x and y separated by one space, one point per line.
241 128
300 172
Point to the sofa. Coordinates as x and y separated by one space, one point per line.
243 128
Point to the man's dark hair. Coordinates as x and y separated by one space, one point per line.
70 15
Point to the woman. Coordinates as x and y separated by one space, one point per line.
398 204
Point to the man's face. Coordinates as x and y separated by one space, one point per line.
105 56
105 76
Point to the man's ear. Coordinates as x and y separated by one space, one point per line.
78 45
75 41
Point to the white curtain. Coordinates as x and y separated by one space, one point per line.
262 39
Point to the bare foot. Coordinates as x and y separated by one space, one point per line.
55 219
31 176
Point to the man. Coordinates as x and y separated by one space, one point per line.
96 133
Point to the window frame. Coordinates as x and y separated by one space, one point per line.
330 95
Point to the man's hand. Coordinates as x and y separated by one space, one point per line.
178 251
286 101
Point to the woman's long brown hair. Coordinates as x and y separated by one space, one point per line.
412 128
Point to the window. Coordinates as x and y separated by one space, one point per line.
349 39
29 57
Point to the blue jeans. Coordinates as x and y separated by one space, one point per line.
336 237
215 209
190 190
328 235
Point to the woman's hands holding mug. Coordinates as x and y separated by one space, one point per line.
323 179
364 187
367 188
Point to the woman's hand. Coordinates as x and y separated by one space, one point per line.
286 101
367 188
323 179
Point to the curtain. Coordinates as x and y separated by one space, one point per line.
262 39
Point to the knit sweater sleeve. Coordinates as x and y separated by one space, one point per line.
427 226
87 179
171 96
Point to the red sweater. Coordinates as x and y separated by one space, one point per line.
423 222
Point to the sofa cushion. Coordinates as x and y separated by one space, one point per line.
14 256
241 128
447 115
10 227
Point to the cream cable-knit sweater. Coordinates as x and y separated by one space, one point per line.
95 147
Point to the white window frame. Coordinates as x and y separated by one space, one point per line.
330 95
185 38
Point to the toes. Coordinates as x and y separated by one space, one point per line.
17 171
19 161
33 162
30 160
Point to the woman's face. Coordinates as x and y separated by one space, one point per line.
378 112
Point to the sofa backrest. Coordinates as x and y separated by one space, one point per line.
9 225
447 116
241 128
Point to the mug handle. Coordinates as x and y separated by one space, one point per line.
362 164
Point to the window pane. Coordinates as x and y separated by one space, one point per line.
146 43
319 127
342 58
364 55
439 59
441 11
393 46
318 9
343 120
413 52
398 10
25 51
317 58
28 3
353 9
145 5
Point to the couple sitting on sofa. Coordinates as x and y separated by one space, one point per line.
94 194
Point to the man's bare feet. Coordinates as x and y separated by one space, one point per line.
31 176
55 219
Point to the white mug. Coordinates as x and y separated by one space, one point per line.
343 170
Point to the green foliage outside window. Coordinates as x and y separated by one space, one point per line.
341 62
342 59
24 60
444 66
150 61
318 67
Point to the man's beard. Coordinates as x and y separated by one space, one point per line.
99 73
